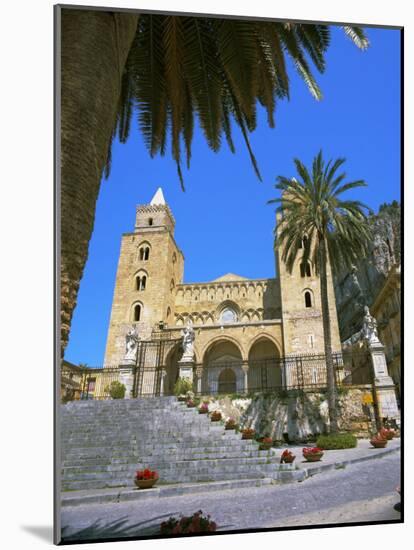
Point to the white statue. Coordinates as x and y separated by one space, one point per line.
369 328
131 343
188 343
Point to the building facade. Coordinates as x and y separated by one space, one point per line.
244 328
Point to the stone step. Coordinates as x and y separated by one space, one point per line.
189 464
78 462
105 442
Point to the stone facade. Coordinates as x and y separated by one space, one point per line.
234 318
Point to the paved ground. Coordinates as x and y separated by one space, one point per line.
359 492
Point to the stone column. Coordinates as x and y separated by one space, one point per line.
245 369
163 375
383 383
126 377
199 374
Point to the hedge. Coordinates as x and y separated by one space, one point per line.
336 441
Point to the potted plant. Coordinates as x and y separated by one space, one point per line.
387 433
266 443
190 404
181 387
248 433
145 479
312 454
215 416
116 390
203 408
287 457
196 523
379 441
231 424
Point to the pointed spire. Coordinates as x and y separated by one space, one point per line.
158 198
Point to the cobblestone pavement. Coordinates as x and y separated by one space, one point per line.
360 492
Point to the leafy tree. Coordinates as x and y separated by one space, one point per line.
337 231
169 69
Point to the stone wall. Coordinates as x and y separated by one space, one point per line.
302 416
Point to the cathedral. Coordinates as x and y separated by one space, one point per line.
247 332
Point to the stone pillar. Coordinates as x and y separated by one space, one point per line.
199 374
383 383
163 375
246 377
126 377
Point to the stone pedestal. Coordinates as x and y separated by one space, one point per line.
384 385
186 370
126 377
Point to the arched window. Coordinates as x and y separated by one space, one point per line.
168 312
137 312
305 269
228 316
141 282
172 285
144 252
308 299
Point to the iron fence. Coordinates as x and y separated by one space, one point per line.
156 372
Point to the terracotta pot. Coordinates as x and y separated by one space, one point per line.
203 411
288 460
247 436
230 427
314 457
379 443
390 435
145 483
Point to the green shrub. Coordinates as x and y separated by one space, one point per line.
116 390
182 386
336 441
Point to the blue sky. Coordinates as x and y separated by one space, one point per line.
223 221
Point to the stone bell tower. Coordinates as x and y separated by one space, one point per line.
150 266
301 305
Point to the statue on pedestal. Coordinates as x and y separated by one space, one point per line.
188 343
131 344
369 328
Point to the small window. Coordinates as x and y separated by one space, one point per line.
144 252
137 312
305 269
174 258
168 312
91 385
172 285
150 221
308 299
141 282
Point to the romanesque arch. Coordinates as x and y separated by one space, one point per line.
222 366
265 367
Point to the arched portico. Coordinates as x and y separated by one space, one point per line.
265 370
222 368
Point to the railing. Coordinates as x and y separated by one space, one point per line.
152 376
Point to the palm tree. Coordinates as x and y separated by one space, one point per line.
168 69
337 233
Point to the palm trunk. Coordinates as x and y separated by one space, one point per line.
94 48
330 373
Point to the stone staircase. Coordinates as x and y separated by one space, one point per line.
103 443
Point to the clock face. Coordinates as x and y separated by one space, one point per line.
228 316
